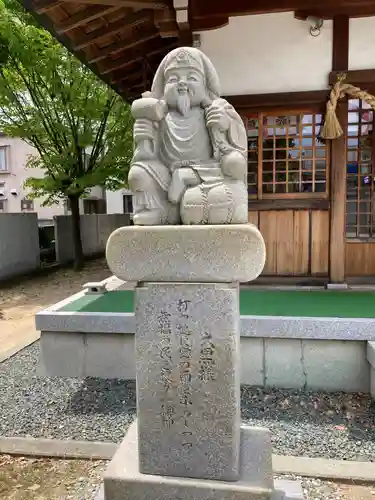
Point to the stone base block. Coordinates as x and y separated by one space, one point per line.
284 490
123 481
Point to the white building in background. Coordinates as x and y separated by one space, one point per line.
14 154
119 202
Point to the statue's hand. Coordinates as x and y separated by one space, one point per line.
144 129
217 117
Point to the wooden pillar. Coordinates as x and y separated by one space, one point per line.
340 62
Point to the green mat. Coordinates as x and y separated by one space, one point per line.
255 302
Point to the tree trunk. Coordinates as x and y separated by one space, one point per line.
79 261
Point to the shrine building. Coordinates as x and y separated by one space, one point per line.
312 199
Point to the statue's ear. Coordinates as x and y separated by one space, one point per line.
158 83
212 78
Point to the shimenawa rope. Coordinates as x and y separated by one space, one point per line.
332 128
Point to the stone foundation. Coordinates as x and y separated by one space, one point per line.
123 480
371 360
327 365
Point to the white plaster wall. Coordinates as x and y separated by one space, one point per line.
115 203
362 43
18 152
269 53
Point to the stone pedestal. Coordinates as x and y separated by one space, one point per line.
187 443
187 370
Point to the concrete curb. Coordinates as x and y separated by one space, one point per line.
56 448
18 347
91 450
323 468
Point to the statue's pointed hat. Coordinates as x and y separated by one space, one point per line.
186 57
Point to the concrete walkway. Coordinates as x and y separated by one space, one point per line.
13 340
19 302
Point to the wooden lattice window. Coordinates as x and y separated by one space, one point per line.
286 159
360 171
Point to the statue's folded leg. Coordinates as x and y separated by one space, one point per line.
151 204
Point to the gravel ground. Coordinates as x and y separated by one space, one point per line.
317 489
337 426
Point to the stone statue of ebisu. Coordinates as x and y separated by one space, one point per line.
190 148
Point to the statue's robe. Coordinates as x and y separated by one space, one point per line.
182 138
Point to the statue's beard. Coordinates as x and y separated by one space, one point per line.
183 103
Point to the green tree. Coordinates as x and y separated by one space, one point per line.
81 129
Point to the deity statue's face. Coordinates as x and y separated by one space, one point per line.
184 89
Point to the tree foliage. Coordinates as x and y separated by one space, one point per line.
80 127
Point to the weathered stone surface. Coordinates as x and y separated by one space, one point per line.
77 354
282 364
226 253
335 365
190 155
187 363
63 353
372 383
124 481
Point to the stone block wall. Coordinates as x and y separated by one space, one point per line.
19 244
95 230
371 360
330 365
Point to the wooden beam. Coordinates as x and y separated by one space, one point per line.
138 4
146 4
169 29
111 29
119 76
47 23
324 13
84 17
340 48
354 77
337 240
315 99
182 9
241 7
165 21
292 204
117 47
135 71
208 23
182 13
45 5
186 38
130 56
